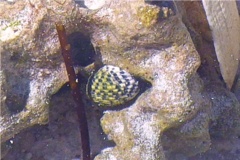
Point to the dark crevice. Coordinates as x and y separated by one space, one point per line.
82 49
80 3
168 4
17 93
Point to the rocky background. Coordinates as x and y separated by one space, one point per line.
184 111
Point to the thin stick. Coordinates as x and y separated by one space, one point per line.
66 51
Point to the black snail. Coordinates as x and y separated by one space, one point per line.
111 86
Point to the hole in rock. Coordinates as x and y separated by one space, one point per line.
82 49
17 93
80 3
168 4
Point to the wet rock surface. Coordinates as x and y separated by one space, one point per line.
185 113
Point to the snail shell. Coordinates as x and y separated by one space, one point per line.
111 86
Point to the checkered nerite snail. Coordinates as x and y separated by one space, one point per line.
111 86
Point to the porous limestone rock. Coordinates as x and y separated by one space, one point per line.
158 51
177 106
32 68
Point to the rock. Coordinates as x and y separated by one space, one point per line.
32 67
170 102
176 107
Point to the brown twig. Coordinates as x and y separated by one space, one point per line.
66 50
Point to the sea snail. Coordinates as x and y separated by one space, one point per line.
111 86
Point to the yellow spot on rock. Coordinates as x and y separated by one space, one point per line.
148 15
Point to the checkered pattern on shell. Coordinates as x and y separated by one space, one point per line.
112 86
